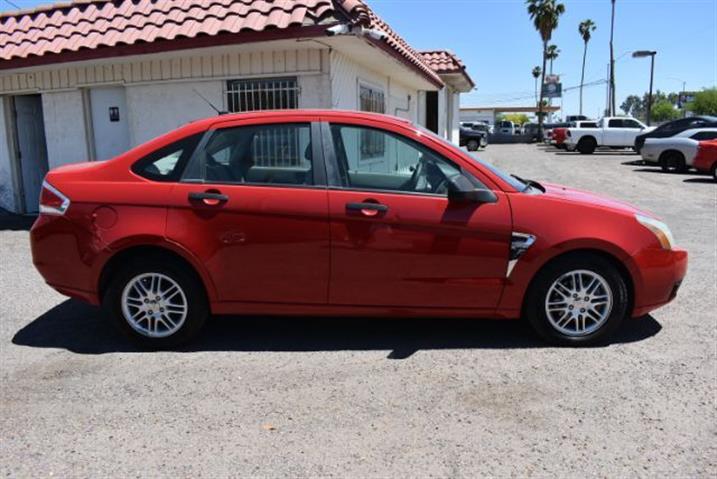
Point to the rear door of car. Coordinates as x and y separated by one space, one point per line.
613 133
396 239
252 205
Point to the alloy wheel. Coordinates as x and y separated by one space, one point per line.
578 303
154 305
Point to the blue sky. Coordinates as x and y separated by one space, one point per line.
498 43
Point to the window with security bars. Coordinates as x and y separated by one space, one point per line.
276 146
262 94
372 144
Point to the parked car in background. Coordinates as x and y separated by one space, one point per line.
574 118
612 132
675 153
676 126
560 133
473 138
548 130
505 127
705 160
531 130
325 212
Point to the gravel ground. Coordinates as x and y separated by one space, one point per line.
373 398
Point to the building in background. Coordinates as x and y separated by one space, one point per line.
89 80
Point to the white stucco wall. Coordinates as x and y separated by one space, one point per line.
443 112
65 131
455 117
7 199
346 75
315 91
155 109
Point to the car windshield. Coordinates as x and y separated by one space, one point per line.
511 180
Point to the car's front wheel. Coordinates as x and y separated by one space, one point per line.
473 145
158 304
578 300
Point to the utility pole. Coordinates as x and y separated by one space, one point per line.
612 62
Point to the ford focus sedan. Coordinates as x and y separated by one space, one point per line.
341 214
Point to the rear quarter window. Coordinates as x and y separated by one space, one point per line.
167 163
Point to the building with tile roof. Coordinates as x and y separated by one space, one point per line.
88 79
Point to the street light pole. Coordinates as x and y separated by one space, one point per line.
651 54
649 98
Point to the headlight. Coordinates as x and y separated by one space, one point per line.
659 229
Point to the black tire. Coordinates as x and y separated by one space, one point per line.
473 145
714 172
586 146
193 290
535 304
673 162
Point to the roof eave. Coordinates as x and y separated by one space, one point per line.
459 80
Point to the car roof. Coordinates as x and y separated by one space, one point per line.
252 115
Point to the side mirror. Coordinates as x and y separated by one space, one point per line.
461 190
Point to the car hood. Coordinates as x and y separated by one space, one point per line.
588 198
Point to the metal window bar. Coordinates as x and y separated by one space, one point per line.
274 146
372 143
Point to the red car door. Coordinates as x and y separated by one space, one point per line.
253 207
396 239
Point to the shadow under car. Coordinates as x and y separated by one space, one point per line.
80 328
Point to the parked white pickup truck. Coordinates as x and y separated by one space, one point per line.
611 132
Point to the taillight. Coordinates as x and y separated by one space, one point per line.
52 201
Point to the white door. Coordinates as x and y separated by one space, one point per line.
614 133
632 128
32 148
109 122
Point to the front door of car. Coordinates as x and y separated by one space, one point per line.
631 128
397 241
253 206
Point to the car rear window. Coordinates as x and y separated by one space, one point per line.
167 163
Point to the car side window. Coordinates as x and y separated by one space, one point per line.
402 165
631 124
704 135
615 123
167 163
274 154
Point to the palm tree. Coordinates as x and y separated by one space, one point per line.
536 74
586 28
545 15
552 54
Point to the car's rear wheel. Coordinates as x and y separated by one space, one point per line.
673 162
157 304
586 146
578 300
473 145
714 172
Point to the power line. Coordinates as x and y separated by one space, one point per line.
12 4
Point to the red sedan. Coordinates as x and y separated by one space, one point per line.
705 160
341 213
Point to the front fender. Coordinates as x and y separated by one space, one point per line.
518 284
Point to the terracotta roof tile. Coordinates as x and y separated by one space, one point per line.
445 62
90 24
